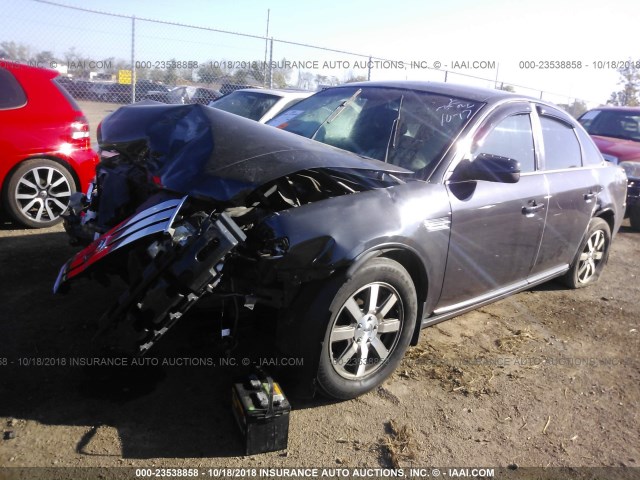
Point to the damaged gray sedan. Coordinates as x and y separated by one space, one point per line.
363 214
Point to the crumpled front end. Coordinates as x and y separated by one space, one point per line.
172 259
179 210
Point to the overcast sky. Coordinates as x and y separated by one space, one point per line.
496 34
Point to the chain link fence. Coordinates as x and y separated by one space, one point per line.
107 57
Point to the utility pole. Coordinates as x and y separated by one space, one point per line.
266 46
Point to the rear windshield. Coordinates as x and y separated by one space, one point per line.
251 105
66 94
11 93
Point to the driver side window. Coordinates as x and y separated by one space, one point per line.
512 137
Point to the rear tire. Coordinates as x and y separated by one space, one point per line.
38 192
592 255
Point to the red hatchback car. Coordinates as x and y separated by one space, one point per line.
45 150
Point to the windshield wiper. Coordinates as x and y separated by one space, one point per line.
337 111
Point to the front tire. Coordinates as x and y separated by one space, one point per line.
38 192
592 255
372 319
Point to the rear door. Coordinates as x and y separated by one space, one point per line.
573 192
496 228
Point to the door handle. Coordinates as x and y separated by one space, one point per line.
589 196
535 207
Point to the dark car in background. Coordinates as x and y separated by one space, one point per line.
371 211
616 132
203 96
121 92
78 89
45 151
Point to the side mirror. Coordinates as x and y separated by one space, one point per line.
488 167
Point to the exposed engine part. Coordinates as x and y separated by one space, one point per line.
175 279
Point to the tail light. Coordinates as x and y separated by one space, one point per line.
80 131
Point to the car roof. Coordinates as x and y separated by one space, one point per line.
281 92
489 96
618 108
478 94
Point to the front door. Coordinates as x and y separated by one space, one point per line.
496 228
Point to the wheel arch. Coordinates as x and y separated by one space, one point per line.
608 216
68 167
292 335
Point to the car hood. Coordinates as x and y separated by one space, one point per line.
624 150
208 153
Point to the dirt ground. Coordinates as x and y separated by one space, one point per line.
547 378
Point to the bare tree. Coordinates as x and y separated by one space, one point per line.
630 81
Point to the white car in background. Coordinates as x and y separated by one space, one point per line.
259 104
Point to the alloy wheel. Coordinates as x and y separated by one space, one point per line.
366 331
591 256
42 194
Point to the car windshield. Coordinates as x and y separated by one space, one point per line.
251 105
408 128
612 123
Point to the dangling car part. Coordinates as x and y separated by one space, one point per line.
403 206
185 264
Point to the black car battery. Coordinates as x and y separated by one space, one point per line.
262 412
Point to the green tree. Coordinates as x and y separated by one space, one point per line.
575 109
185 75
171 76
630 80
245 76
156 75
279 75
325 81
209 72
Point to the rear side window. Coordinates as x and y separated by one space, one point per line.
66 94
247 104
592 155
11 93
291 103
561 147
